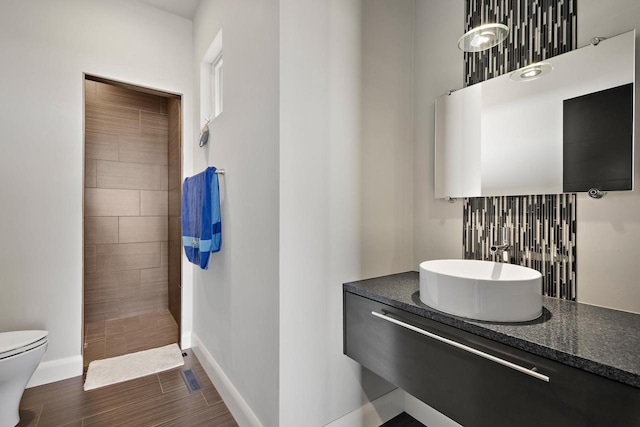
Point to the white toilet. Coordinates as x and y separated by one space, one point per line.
20 354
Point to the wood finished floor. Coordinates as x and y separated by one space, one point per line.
161 399
116 337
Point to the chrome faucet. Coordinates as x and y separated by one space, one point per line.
502 249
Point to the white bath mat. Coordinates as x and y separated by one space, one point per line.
135 365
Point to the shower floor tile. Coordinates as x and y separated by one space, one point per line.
110 338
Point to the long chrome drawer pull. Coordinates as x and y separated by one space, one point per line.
503 362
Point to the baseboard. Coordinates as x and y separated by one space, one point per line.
371 414
56 370
185 340
374 413
240 410
425 413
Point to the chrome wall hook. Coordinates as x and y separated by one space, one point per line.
450 199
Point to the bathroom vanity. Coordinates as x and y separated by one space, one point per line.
577 365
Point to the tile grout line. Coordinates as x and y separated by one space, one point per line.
160 382
39 415
211 403
126 405
85 416
177 418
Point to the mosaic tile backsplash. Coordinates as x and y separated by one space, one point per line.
539 29
542 235
542 228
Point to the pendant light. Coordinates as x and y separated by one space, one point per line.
483 37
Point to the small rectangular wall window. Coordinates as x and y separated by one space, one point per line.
211 81
216 85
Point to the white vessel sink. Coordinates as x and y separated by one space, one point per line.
482 290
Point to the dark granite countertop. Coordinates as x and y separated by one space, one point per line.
595 339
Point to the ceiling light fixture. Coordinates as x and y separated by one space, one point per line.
531 72
483 37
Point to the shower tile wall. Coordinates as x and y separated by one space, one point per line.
175 187
543 228
126 202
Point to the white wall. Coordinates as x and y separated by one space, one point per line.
327 136
608 229
46 46
438 67
386 152
236 299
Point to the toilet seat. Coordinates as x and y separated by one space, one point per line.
16 342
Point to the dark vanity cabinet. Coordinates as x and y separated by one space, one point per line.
452 373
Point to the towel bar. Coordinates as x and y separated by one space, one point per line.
220 171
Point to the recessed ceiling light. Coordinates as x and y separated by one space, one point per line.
483 37
531 72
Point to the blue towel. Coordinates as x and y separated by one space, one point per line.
201 222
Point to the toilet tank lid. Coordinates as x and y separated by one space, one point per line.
17 339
